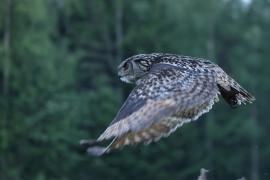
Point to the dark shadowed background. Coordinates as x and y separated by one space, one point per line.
59 84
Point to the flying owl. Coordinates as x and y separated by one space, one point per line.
170 90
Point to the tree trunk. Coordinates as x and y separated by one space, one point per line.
6 67
119 39
119 30
6 75
254 169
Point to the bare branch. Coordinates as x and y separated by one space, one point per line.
203 174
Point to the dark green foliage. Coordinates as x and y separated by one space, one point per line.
59 84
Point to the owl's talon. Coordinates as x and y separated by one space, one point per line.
87 142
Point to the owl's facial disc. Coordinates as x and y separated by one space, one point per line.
125 71
130 71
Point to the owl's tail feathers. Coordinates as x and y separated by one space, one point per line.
92 147
236 95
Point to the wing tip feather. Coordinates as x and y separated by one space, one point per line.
96 150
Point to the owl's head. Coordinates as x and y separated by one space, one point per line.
135 67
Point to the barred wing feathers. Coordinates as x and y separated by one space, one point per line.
163 100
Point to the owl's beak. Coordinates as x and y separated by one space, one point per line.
120 73
124 79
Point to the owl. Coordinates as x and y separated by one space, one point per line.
170 90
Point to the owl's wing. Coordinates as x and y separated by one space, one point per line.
165 99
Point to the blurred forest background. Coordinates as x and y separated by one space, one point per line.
59 84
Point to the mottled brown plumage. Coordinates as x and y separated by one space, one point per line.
170 91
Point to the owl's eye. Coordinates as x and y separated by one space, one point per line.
126 66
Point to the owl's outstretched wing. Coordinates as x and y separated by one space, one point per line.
165 99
